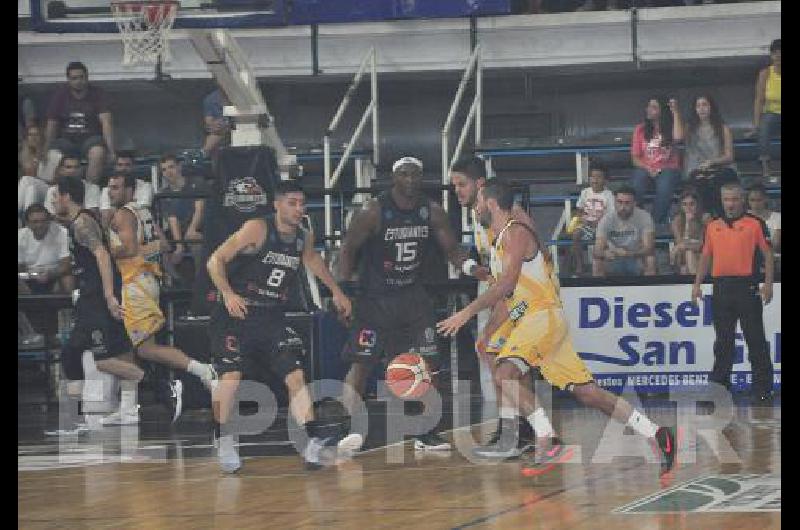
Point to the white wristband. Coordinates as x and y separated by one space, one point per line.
469 266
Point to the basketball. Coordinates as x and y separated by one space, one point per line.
407 376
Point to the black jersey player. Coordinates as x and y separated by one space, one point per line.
255 270
394 313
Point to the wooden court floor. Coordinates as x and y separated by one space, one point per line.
185 490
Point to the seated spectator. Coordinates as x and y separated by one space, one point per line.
709 153
70 166
43 253
656 159
767 108
688 230
79 119
758 201
218 127
592 204
143 193
184 218
37 168
625 243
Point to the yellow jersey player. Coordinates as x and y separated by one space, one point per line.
135 243
468 175
526 294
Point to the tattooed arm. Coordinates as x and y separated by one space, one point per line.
89 234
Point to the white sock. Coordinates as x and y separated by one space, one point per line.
641 424
198 369
541 423
128 396
226 443
507 413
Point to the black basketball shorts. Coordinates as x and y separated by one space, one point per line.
262 337
389 325
96 330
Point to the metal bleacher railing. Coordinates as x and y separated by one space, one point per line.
363 174
474 114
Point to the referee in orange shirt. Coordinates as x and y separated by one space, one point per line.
730 244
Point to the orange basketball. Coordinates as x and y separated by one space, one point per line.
407 376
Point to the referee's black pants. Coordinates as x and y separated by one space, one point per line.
739 300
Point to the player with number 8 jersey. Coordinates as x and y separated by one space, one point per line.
255 270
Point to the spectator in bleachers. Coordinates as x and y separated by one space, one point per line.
79 118
592 204
37 169
758 201
625 243
43 253
655 157
70 166
709 152
184 217
767 107
143 193
688 230
218 127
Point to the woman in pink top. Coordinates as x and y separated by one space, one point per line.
655 156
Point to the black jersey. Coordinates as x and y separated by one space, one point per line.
392 259
266 278
84 263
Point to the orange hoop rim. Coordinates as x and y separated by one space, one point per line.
134 6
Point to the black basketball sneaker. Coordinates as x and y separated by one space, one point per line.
667 446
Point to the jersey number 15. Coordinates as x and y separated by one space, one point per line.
406 251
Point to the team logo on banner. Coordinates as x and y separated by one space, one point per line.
245 194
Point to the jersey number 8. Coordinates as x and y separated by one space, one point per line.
276 277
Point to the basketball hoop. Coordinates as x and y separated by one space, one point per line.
144 26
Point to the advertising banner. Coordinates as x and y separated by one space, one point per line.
651 337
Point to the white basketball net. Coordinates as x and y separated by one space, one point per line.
145 27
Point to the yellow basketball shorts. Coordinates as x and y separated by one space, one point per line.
143 316
541 339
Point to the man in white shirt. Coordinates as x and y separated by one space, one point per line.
593 203
142 194
70 166
43 254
